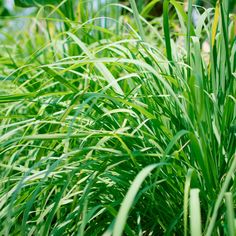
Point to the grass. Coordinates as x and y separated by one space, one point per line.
118 125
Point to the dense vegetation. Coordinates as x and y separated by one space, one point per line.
116 122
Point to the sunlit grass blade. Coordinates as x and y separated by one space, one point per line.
137 19
186 200
188 36
195 213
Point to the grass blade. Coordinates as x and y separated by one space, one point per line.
188 39
230 213
186 194
195 213
166 28
137 19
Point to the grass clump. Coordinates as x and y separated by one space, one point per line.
112 127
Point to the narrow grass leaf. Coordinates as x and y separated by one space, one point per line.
137 19
215 23
195 213
166 28
186 199
230 214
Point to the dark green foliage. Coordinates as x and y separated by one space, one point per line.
30 3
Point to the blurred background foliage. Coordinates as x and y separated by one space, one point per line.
6 6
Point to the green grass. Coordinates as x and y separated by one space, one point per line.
127 129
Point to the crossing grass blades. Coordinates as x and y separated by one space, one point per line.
118 125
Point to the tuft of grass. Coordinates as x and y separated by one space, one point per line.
110 126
